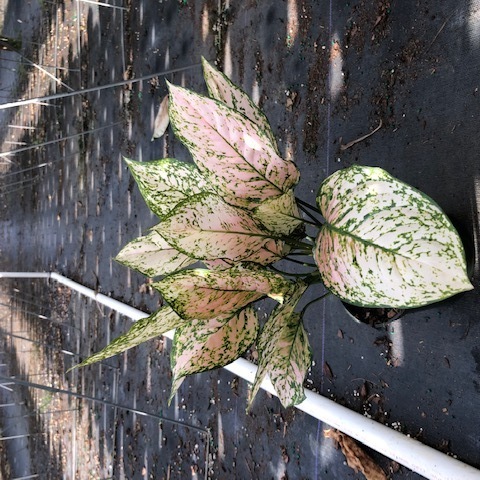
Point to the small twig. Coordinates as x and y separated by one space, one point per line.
361 139
438 33
436 36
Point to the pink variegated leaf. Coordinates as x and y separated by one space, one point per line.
280 214
201 294
231 151
271 252
207 344
167 182
284 351
152 256
207 228
221 88
161 120
145 329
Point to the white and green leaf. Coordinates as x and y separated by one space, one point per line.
207 228
385 243
221 88
152 256
231 151
280 215
201 294
284 351
157 324
207 344
167 182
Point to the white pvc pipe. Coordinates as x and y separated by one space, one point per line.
25 275
414 455
120 307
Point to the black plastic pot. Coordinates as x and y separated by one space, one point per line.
378 318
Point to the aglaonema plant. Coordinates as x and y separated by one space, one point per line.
381 243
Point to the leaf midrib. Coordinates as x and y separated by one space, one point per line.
233 148
379 247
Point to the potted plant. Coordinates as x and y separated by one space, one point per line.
379 242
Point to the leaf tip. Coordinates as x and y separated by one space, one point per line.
177 381
172 88
73 368
208 68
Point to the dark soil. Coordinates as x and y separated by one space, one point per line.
374 317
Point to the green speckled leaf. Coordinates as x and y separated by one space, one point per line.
207 228
165 183
272 251
284 351
221 88
280 215
207 344
200 293
145 329
385 243
232 152
152 256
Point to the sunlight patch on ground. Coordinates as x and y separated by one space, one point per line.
473 23
336 79
227 62
256 92
395 333
205 23
221 439
149 375
167 58
292 23
322 448
153 36
278 472
289 147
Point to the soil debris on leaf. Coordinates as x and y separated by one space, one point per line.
356 457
